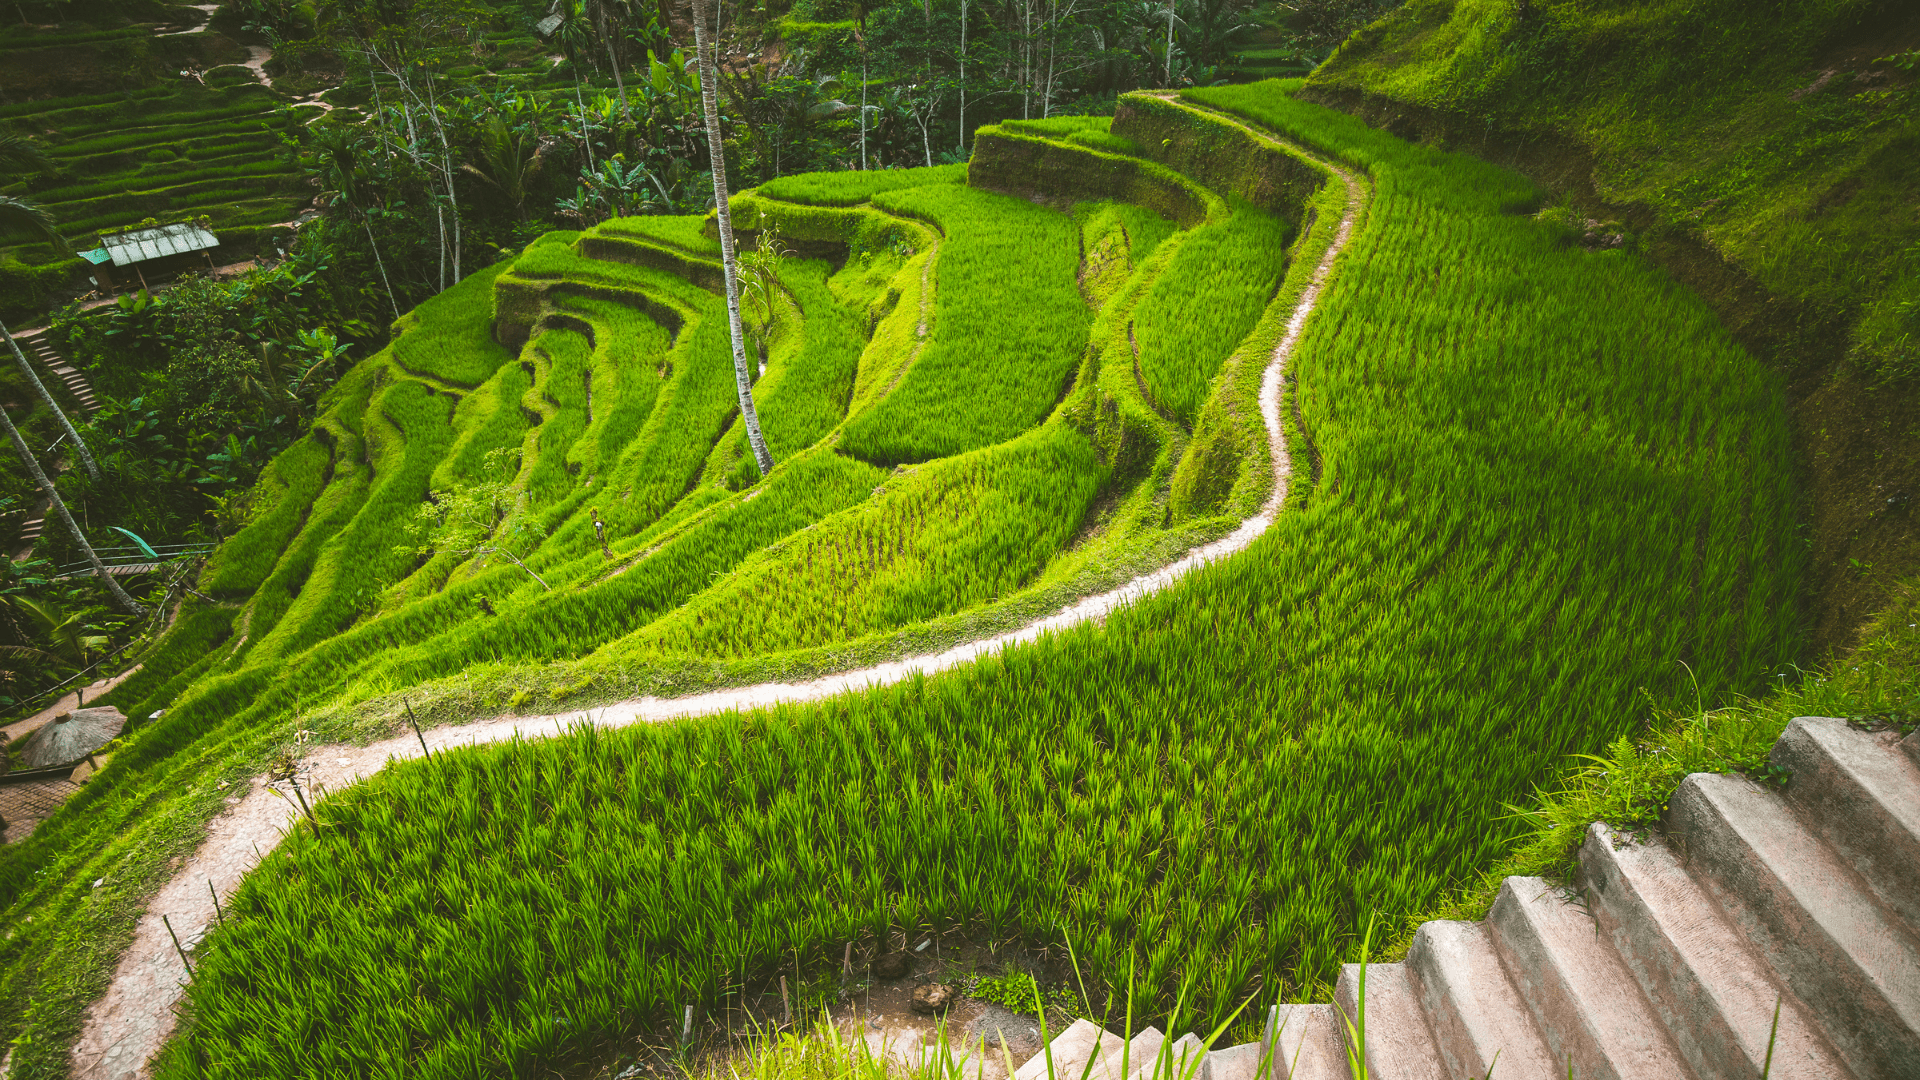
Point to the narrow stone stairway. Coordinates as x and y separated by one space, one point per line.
35 344
1670 958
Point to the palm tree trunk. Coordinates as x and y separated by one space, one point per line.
60 507
1168 78
618 83
962 147
742 380
59 414
382 264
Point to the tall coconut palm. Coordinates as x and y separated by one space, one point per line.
709 102
512 161
18 155
59 507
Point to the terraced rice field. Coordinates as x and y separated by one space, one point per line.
168 152
1513 508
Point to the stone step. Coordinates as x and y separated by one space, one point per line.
1240 1062
1394 1034
1911 744
1810 917
1862 796
1478 1022
1138 1051
1585 1004
1305 1043
1706 985
1181 1059
1078 1051
1141 1049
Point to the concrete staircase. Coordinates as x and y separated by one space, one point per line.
1670 959
34 343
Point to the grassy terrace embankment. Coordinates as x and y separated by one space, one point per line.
1513 509
1762 156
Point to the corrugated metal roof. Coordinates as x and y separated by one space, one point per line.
144 244
96 256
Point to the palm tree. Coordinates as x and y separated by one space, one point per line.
512 161
59 507
18 155
742 380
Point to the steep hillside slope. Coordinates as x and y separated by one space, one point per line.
1764 154
1511 509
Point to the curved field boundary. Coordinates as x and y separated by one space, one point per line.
127 1026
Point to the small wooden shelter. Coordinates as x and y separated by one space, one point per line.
166 241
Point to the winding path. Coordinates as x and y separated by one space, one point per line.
127 1026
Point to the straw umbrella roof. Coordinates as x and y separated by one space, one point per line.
71 736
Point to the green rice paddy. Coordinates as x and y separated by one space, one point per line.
188 150
1540 478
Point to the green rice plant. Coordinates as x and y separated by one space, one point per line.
1219 785
54 108
853 188
450 336
805 389
560 392
686 232
1204 303
1090 131
487 419
944 537
244 169
406 433
25 42
198 629
166 130
1009 329
629 356
561 261
1114 238
292 481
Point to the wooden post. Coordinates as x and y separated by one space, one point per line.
176 946
428 754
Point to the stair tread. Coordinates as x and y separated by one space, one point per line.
1116 1065
1862 796
1182 1060
1240 1062
1705 983
1809 915
1584 1002
1397 1041
1070 1051
1305 1041
1478 1020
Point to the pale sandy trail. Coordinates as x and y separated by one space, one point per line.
126 1027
